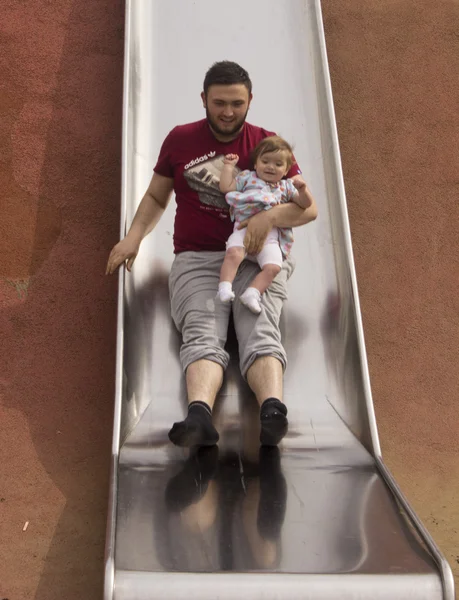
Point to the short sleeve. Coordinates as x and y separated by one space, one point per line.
294 170
241 180
164 165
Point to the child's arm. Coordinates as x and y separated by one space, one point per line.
227 181
304 197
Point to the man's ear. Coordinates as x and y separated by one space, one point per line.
203 98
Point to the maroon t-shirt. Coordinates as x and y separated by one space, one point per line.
193 157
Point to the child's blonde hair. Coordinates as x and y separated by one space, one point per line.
273 143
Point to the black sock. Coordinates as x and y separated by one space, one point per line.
190 484
196 429
274 423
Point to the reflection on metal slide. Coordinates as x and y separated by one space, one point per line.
322 519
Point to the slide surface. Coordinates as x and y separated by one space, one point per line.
316 520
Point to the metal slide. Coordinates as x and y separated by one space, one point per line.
323 519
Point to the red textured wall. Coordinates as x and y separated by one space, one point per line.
60 102
394 66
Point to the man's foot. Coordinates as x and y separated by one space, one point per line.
225 292
197 429
252 299
190 484
274 423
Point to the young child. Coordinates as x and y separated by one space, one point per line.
247 194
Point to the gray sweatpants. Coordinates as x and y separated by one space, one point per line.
202 319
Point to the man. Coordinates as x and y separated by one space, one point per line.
189 163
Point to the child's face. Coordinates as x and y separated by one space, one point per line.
272 166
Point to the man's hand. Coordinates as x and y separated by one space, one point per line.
231 159
258 228
126 249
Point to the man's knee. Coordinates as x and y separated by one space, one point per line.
260 336
247 360
191 352
204 336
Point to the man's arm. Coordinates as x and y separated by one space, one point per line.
149 212
282 215
291 214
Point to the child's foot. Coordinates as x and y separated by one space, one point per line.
252 299
274 423
225 292
197 429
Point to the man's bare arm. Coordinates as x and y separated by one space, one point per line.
293 215
149 212
282 215
152 207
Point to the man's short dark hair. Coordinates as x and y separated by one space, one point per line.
226 72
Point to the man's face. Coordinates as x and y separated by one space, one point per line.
226 108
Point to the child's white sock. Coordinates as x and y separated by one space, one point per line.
252 299
225 292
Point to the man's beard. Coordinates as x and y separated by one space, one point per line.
226 132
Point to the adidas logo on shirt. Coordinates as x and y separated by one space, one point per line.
201 159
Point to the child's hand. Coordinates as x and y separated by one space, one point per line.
299 184
303 198
231 159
